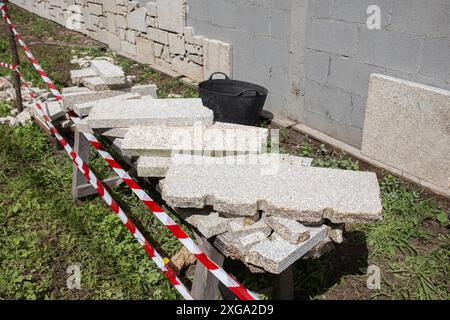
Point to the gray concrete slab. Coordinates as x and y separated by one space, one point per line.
148 112
306 194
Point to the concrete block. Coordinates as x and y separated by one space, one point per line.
356 11
77 76
111 74
407 127
435 62
95 84
276 255
400 51
333 36
217 56
433 19
148 112
290 230
351 75
331 103
306 194
211 225
171 15
136 19
83 109
219 139
317 65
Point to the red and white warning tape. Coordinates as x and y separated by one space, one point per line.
8 66
238 289
98 185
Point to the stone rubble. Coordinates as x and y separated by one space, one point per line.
290 230
276 254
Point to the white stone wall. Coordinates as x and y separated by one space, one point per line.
150 32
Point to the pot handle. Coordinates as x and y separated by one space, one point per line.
248 90
215 73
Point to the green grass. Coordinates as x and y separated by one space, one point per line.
5 108
43 232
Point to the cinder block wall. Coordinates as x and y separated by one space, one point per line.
315 56
341 53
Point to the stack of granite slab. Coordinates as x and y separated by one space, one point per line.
265 209
271 218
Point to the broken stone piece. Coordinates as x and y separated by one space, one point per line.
289 229
209 226
277 254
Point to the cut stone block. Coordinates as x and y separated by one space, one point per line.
95 83
109 72
158 166
211 225
54 110
290 230
71 99
407 127
78 76
146 90
276 254
150 112
306 194
219 139
83 109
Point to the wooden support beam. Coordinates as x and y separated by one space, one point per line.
15 77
